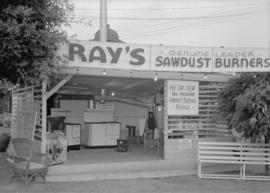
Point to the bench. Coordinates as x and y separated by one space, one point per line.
240 154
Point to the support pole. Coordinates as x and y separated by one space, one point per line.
44 116
268 24
103 20
165 114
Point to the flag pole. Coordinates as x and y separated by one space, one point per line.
103 20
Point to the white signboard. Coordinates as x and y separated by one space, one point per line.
93 54
185 144
182 97
184 59
241 60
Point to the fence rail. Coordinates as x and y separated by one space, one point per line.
241 154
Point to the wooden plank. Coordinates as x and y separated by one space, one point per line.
212 91
230 152
221 176
166 118
59 85
201 143
44 116
224 157
263 153
247 154
258 159
211 87
197 119
255 163
221 161
221 148
198 125
207 96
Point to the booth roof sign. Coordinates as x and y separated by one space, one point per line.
93 54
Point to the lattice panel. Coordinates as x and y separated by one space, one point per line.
207 123
26 107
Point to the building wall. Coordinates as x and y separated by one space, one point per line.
124 113
128 114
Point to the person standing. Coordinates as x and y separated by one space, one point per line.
151 125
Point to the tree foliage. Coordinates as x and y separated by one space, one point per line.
245 103
30 32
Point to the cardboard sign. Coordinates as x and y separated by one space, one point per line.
185 144
182 97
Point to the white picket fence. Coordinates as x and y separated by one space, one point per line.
228 153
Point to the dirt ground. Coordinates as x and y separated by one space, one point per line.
183 184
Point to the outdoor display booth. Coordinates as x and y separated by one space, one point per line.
111 87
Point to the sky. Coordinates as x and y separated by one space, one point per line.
199 23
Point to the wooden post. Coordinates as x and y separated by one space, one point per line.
103 21
165 114
45 96
44 116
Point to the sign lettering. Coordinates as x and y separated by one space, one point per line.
111 55
94 54
183 98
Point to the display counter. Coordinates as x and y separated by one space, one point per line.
102 133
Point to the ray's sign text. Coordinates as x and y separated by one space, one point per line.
93 54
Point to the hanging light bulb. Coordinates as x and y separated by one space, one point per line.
104 72
113 94
156 77
205 76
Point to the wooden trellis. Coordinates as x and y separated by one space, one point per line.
183 132
207 123
26 113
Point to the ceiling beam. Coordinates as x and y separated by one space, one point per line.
131 85
189 76
127 101
58 86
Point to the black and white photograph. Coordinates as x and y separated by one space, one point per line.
134 96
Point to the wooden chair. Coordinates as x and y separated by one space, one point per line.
27 161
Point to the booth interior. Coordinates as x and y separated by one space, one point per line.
94 119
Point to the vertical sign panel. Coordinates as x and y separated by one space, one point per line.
181 59
241 60
183 97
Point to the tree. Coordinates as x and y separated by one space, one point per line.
245 103
30 32
5 88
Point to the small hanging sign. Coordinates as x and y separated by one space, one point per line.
185 144
183 97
